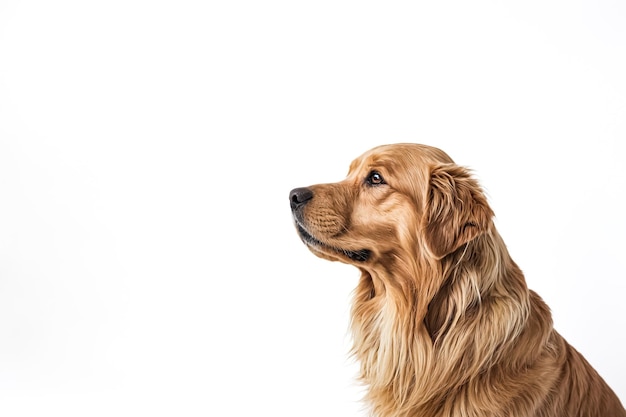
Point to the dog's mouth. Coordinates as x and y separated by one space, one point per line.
361 255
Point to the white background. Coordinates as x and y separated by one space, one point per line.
148 262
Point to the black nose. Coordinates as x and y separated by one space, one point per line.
299 197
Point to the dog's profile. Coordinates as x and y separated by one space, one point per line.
443 323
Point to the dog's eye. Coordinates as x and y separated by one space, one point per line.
374 178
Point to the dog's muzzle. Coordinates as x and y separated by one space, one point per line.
298 198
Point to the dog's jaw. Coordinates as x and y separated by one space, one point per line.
358 256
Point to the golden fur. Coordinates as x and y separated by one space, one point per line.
442 320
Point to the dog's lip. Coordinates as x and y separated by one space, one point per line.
361 255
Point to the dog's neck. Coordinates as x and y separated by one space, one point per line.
405 323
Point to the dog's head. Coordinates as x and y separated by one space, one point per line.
397 200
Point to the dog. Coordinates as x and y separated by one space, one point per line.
442 321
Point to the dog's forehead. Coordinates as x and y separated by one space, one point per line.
400 156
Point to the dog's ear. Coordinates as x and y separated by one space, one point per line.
456 210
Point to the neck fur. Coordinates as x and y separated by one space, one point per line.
419 328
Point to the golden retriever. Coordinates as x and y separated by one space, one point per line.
443 323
